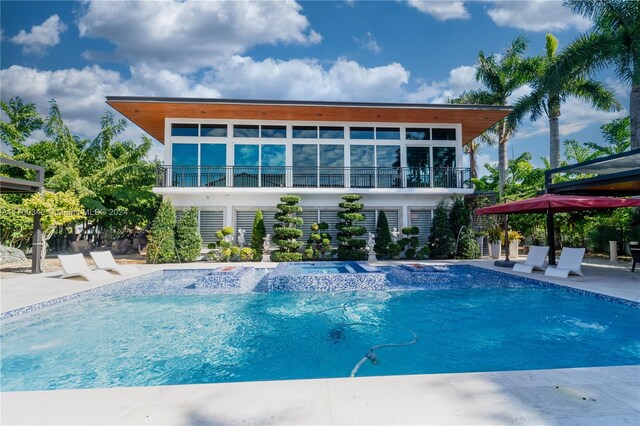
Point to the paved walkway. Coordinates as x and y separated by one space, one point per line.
578 396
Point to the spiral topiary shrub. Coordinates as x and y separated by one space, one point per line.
286 233
162 245
351 248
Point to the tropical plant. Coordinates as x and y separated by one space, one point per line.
501 75
257 235
286 233
188 239
613 41
383 236
162 246
548 99
441 241
351 248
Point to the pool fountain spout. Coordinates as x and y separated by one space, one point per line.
455 253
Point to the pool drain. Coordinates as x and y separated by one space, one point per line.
573 393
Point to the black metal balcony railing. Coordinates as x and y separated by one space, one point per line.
311 177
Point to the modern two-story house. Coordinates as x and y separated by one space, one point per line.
230 157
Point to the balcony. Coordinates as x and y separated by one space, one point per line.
311 177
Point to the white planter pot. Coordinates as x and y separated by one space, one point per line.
480 241
513 249
613 251
494 250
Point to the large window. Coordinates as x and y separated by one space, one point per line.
444 171
273 165
361 132
305 132
245 172
332 165
213 162
388 162
213 130
178 129
305 165
184 159
245 131
418 175
362 166
443 134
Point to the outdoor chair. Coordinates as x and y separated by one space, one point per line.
74 265
635 256
535 260
570 263
104 261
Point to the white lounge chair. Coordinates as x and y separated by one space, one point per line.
104 261
570 263
74 265
535 260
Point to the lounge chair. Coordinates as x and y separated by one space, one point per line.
104 261
74 265
535 260
569 263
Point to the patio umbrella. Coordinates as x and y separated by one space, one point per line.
554 203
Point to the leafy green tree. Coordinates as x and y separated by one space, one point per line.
383 236
162 247
617 138
501 75
286 233
441 241
351 248
188 238
319 242
547 99
257 235
23 120
613 41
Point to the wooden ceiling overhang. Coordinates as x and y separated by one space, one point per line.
150 113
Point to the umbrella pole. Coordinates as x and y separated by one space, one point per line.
506 237
551 238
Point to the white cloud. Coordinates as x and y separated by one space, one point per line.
441 10
369 42
460 79
41 36
536 15
186 36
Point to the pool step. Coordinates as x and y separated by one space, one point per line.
241 278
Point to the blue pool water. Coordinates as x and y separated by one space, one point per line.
156 331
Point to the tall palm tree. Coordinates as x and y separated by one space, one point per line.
501 75
614 41
548 100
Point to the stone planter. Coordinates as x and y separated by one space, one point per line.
613 251
494 250
513 249
480 241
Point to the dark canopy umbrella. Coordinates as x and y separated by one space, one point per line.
554 203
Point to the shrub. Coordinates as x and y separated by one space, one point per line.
394 250
247 254
441 242
257 235
319 242
286 234
383 236
409 244
350 247
223 249
468 247
188 239
162 246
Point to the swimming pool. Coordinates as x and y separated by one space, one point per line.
156 331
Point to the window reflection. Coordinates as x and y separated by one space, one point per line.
213 161
418 175
245 172
388 162
216 130
444 163
388 133
305 132
444 134
362 166
361 132
331 165
273 132
305 165
184 158
418 134
178 129
327 132
273 165
245 131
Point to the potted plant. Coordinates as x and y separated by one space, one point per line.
493 234
514 242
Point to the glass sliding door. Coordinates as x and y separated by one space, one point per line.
184 160
273 165
444 167
388 162
363 166
245 171
305 165
418 175
331 166
213 162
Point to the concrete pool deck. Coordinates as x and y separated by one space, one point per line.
576 396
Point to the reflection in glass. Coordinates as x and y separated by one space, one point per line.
178 129
305 132
184 159
305 165
332 165
245 172
444 134
273 162
213 161
388 133
388 162
362 166
444 163
361 132
273 132
331 132
418 134
245 131
418 175
215 130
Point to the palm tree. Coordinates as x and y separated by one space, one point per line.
548 100
614 41
501 76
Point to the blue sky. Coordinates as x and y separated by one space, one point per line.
394 51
